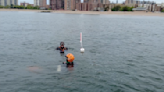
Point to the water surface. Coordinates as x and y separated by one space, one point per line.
122 53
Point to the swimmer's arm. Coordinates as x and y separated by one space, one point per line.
65 48
57 48
64 63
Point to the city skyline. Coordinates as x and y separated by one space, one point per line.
119 1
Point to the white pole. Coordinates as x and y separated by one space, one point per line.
81 39
82 49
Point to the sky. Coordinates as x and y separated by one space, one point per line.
120 1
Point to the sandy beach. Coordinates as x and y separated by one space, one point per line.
140 13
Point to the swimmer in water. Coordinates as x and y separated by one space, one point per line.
69 60
62 48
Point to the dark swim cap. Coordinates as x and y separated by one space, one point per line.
61 43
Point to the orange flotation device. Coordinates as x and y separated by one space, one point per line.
70 57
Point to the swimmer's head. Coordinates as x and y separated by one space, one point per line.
70 57
62 44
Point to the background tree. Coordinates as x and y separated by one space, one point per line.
1 6
12 6
162 10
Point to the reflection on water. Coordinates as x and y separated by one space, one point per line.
122 53
62 54
34 69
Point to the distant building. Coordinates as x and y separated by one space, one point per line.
149 6
57 4
139 9
162 5
93 1
43 3
105 1
36 3
40 3
48 6
68 4
146 2
137 2
71 4
8 2
92 5
24 4
89 7
82 6
127 2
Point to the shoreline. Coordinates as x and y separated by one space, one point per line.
135 13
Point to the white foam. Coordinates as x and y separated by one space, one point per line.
59 68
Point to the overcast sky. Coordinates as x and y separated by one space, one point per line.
120 1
